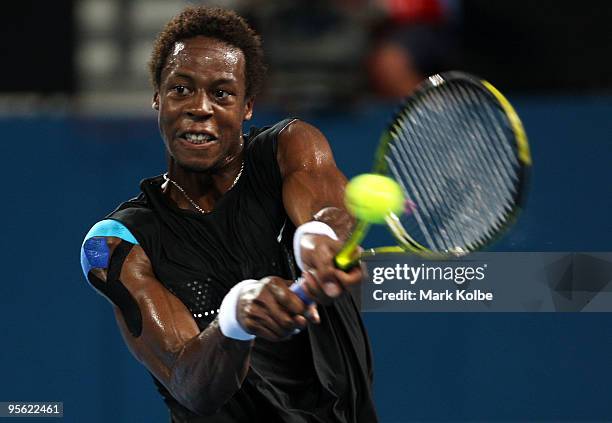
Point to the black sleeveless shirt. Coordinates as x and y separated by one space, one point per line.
321 375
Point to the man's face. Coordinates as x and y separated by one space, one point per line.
202 103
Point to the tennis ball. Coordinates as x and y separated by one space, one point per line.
371 197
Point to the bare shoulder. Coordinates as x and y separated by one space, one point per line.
301 145
300 129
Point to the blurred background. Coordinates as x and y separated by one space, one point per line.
78 134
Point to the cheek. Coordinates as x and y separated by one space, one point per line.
165 128
165 119
231 119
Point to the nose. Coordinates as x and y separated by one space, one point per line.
200 106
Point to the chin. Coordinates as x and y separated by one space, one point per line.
195 167
192 163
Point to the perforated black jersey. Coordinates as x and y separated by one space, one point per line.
320 375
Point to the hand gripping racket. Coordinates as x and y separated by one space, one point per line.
459 151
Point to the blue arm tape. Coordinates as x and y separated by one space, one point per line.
94 251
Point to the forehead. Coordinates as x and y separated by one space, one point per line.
203 54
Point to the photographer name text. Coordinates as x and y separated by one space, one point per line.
430 273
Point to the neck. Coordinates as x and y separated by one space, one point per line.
202 187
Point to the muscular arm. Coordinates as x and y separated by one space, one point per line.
313 188
202 370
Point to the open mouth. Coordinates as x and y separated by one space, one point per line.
198 139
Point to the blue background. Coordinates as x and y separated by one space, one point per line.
60 342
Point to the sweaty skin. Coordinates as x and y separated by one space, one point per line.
313 187
203 90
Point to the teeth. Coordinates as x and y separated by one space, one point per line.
198 138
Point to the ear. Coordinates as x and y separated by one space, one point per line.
155 103
248 108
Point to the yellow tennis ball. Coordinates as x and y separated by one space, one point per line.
371 197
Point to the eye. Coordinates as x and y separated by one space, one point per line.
221 94
180 90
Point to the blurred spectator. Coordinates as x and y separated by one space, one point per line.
322 53
416 38
315 49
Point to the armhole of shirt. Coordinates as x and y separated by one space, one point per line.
110 227
263 158
284 124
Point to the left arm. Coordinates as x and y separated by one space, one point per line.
313 189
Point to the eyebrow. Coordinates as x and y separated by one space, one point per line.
226 81
191 76
188 75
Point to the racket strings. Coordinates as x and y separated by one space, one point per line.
507 172
437 209
460 168
447 199
431 199
497 123
404 178
408 150
489 128
473 129
458 173
451 151
497 128
443 227
472 123
431 178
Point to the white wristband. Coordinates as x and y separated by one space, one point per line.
312 227
228 321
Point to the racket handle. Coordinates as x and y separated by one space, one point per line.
346 264
298 289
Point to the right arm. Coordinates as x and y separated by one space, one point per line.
201 370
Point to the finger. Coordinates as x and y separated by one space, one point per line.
334 245
328 282
263 321
260 310
350 278
332 289
276 311
326 272
313 314
288 300
255 324
324 257
313 288
289 303
259 320
258 329
285 321
301 321
312 245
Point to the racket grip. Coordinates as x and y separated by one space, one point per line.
298 289
346 264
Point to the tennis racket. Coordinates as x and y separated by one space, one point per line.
459 151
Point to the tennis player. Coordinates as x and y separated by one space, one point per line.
198 266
